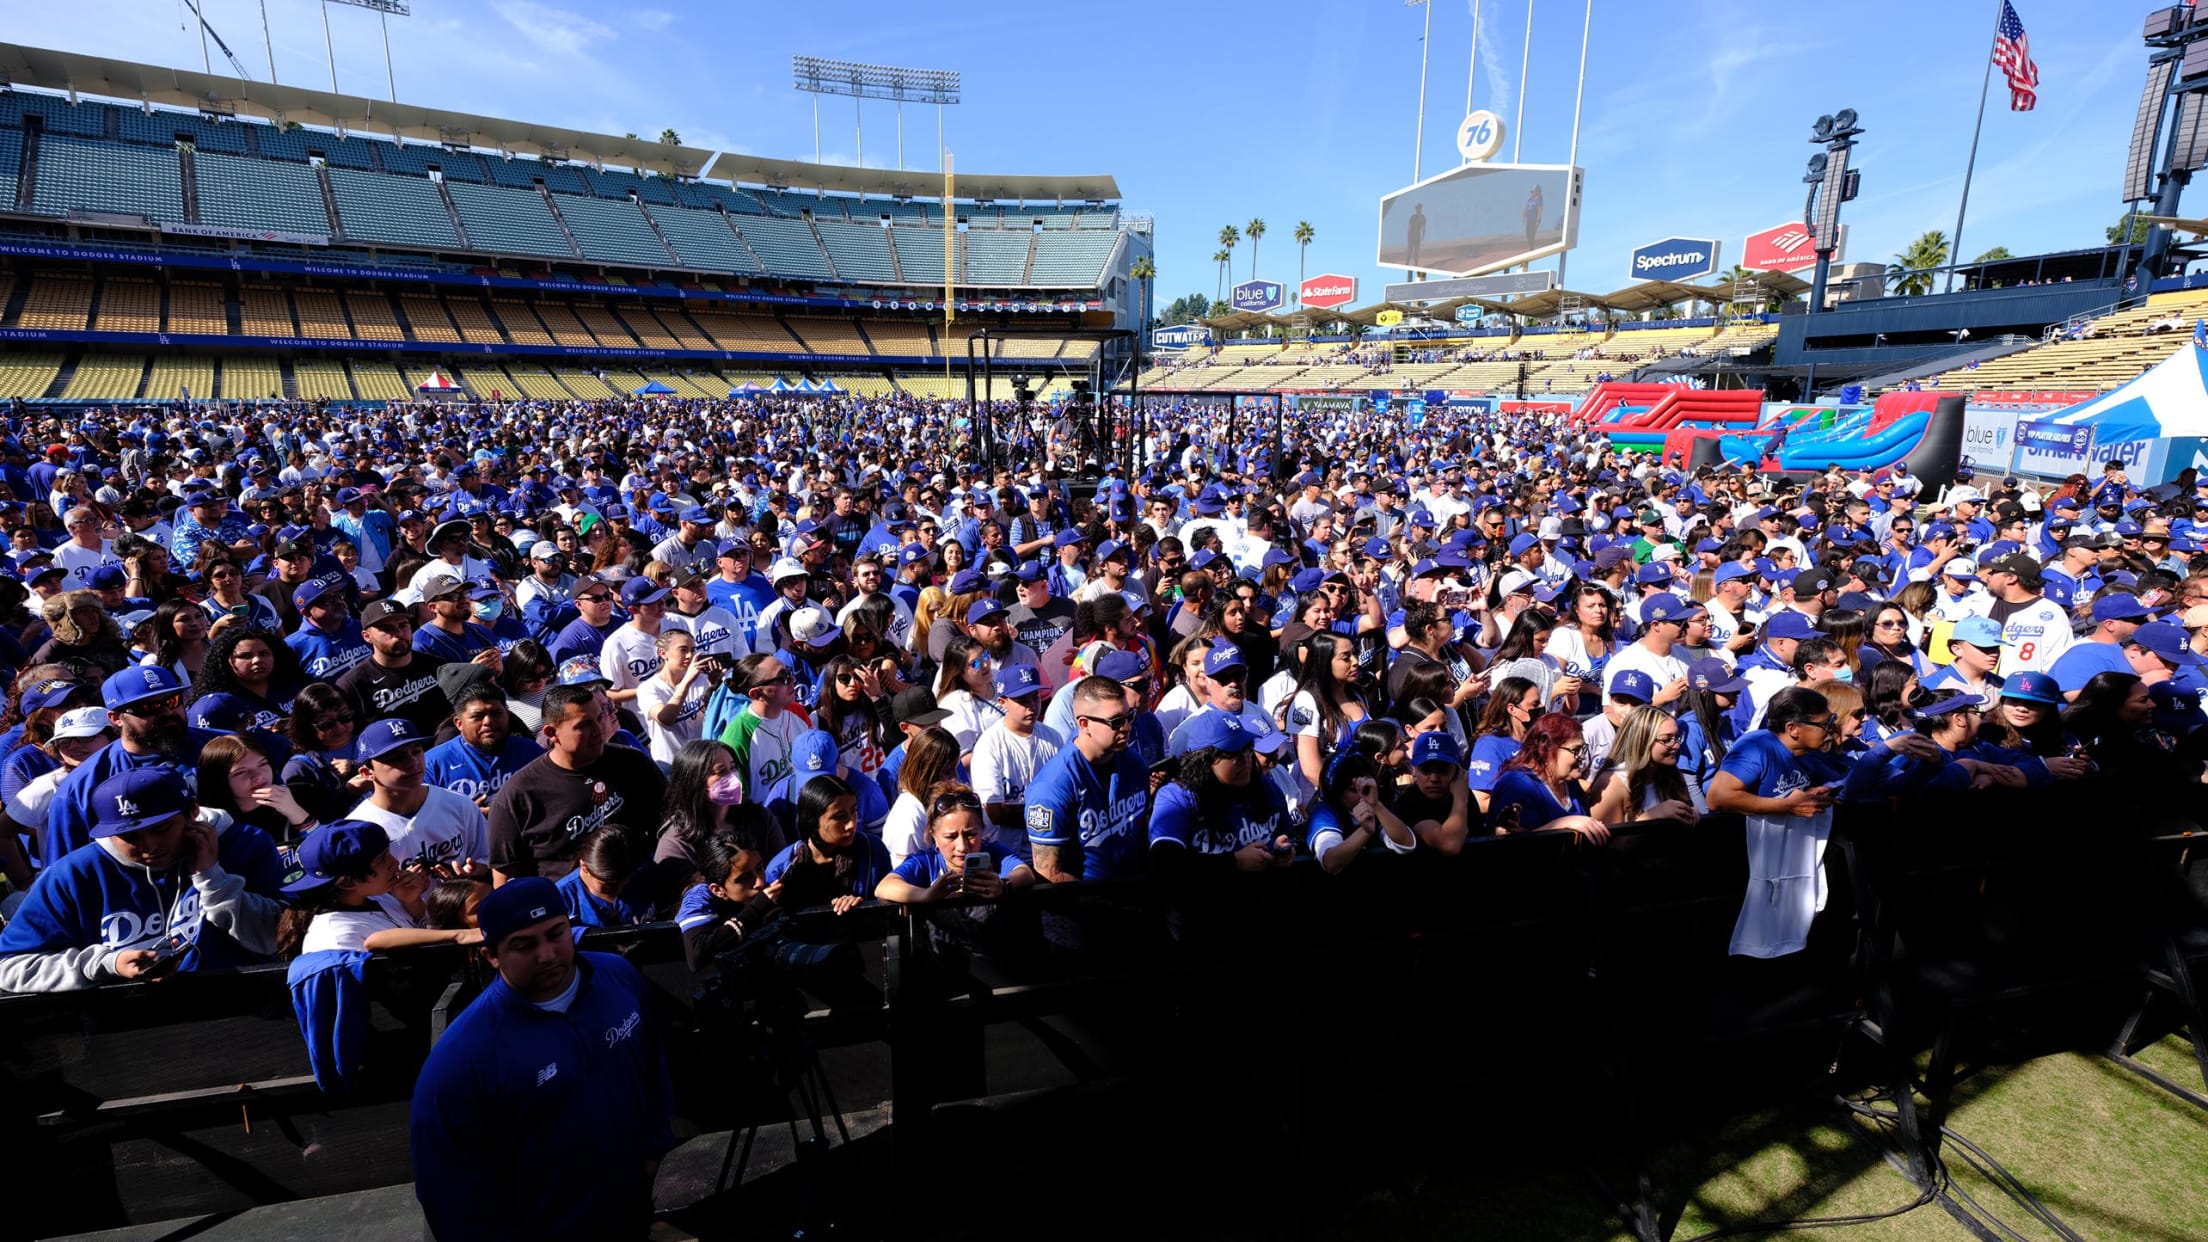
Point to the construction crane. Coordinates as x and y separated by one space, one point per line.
206 32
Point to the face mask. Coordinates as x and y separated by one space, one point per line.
490 610
1845 674
726 789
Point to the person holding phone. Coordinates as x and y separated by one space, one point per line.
960 860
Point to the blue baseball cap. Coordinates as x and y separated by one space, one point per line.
347 849
1217 730
517 906
983 608
1952 703
2119 607
384 736
1714 675
1981 632
639 592
140 798
1435 747
2166 639
137 683
1221 656
1121 666
1017 681
582 671
311 590
696 515
1789 625
2032 687
813 754
1306 581
1669 608
1729 571
106 578
1633 686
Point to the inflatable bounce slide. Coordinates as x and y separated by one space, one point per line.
1692 428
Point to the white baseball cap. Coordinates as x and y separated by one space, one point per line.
83 722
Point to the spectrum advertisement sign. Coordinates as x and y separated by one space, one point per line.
1675 258
1327 291
1258 295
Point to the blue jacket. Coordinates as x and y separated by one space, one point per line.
329 997
69 818
458 766
529 1124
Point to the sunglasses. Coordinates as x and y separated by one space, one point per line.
594 598
964 799
1117 723
148 707
781 679
331 722
978 663
847 679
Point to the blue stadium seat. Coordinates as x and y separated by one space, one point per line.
996 257
703 240
1070 259
714 194
108 176
621 185
86 120
860 251
345 152
509 221
611 232
259 194
919 255
11 158
395 211
282 144
785 246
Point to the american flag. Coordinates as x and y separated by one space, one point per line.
2012 51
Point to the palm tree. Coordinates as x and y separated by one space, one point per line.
1911 271
1222 257
1304 236
670 137
1254 230
1145 271
1229 236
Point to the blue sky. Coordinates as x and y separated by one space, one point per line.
1696 119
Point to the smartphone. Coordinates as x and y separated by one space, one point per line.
168 955
978 860
1166 767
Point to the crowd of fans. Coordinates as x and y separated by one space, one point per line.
312 682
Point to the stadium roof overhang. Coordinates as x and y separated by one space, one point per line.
1650 295
908 183
184 88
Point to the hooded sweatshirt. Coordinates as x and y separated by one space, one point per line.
91 905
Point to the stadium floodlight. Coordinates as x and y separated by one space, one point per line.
861 81
383 9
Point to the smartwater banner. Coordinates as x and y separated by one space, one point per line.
2053 448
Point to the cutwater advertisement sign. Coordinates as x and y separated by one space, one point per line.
1259 295
1180 336
1675 258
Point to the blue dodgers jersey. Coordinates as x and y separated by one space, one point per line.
1765 766
1070 802
1259 817
326 656
460 767
89 897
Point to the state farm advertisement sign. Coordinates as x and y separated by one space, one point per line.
1328 291
1785 248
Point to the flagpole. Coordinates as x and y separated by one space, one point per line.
1955 249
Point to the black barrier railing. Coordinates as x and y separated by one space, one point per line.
1941 934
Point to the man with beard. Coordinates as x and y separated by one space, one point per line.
395 680
146 702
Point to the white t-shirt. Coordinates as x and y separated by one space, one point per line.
906 825
78 563
969 717
449 829
348 930
629 657
1661 669
716 630
689 721
1004 764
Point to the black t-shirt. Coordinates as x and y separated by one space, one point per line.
1414 808
409 693
539 815
1040 627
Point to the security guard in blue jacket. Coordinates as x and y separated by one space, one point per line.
545 1109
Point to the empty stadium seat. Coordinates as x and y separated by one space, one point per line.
510 221
178 376
920 255
522 324
28 375
644 327
756 334
859 251
398 211
372 316
1071 259
686 334
197 310
84 119
785 246
899 338
601 323
259 194
475 323
995 258
612 231
11 159
426 316
829 336
251 379
321 314
266 312
102 377
58 302
76 174
321 381
703 239
565 328
380 381
128 306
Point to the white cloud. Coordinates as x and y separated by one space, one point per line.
654 20
555 30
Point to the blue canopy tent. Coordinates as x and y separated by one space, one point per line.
805 384
828 385
2169 401
746 389
781 385
655 389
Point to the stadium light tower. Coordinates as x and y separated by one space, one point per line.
1831 183
866 81
383 10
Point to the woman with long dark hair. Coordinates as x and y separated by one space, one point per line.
2113 720
179 634
1353 816
1216 814
966 687
831 863
931 757
1887 638
1887 698
249 682
322 773
705 797
236 775
1512 708
1235 618
1325 700
1582 645
849 710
